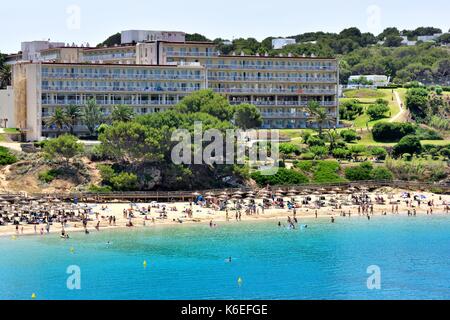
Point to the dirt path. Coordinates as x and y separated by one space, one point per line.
400 105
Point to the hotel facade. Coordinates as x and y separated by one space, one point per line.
154 76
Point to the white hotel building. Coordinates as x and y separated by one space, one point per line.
153 76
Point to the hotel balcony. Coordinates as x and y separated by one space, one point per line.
117 89
271 67
122 76
111 103
286 103
272 79
289 115
191 54
274 90
106 57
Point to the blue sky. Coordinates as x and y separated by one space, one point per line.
92 21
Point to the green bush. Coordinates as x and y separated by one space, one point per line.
327 172
315 141
379 152
381 173
377 111
305 166
319 151
428 134
282 177
307 156
357 150
99 189
359 173
349 110
408 144
125 181
289 149
349 135
392 131
6 157
341 153
48 175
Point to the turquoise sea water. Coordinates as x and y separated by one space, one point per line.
324 261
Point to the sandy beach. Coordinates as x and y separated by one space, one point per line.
335 206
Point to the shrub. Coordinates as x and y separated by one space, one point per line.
289 149
381 173
349 110
341 153
349 135
428 134
359 173
125 181
392 132
379 152
445 152
357 150
307 156
305 166
282 177
48 176
319 151
99 189
416 169
327 172
315 141
408 144
6 157
64 147
377 111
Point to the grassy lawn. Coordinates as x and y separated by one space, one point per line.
436 142
11 130
369 97
363 94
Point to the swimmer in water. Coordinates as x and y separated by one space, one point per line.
229 260
332 219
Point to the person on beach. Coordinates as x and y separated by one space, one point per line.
97 227
316 214
332 219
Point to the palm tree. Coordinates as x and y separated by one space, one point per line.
58 119
320 115
122 113
92 116
73 114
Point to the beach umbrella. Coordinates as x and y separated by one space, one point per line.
280 191
210 194
291 194
209 197
337 189
196 194
306 191
293 191
237 196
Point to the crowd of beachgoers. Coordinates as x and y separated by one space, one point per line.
26 215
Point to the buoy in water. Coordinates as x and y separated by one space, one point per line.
33 296
14 238
72 250
240 281
145 264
